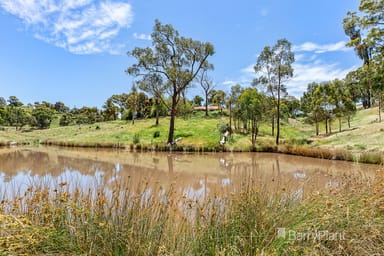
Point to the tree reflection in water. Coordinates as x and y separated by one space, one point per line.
193 175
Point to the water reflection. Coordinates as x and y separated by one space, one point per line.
195 175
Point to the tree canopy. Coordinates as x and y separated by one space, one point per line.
274 66
173 61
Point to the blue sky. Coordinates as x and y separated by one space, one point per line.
74 51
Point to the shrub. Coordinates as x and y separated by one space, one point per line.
222 127
156 134
136 138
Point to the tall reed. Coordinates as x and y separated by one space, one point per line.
148 218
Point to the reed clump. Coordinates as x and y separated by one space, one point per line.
148 218
345 221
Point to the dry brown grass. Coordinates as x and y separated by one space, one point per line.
127 219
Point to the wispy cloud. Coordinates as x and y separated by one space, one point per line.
79 26
142 36
320 48
318 71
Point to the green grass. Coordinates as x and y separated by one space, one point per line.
197 132
365 135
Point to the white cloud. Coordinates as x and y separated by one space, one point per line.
229 83
142 36
304 73
320 48
314 72
248 70
309 67
79 26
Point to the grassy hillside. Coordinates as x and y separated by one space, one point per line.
200 133
366 134
196 132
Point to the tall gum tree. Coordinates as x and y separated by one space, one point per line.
365 29
207 85
274 65
173 59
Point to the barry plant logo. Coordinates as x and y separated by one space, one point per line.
314 235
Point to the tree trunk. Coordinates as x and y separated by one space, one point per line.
253 134
339 124
349 121
316 125
230 117
278 117
369 103
206 103
369 87
379 107
317 128
172 120
330 125
171 129
245 126
326 125
157 110
273 125
255 131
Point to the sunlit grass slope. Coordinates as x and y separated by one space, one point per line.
195 132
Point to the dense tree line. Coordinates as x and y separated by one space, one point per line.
14 113
327 101
131 106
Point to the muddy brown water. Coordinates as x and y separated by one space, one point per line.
194 175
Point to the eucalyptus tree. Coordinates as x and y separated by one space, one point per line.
207 84
344 104
293 106
354 81
42 116
154 85
13 101
110 111
17 116
274 66
378 85
251 109
233 105
365 29
349 105
219 99
133 103
328 103
197 100
175 60
311 103
3 102
60 107
264 66
121 101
